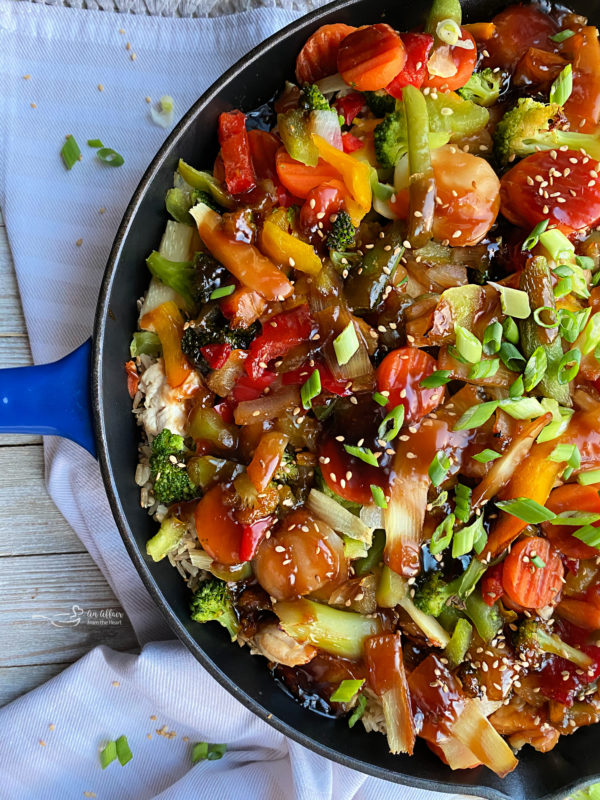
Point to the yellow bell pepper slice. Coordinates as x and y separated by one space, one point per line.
355 174
288 251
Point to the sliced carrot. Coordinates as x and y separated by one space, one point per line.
527 581
300 179
318 57
572 497
580 612
243 307
266 459
371 57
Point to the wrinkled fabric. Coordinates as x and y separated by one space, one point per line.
61 226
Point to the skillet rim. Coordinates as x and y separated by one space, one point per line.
236 71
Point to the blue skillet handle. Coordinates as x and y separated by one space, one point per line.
50 399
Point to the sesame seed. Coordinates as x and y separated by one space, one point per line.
133 56
545 210
100 87
291 262
456 234
43 743
79 242
446 112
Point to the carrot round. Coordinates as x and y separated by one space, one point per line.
318 57
371 57
582 613
300 179
532 573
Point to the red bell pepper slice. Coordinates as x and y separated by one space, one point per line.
350 142
235 150
349 106
252 536
417 46
557 686
216 354
248 388
224 411
279 335
491 585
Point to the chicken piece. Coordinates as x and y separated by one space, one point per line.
517 716
275 645
541 739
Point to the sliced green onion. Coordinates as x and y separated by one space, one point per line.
94 143
535 368
346 344
199 752
534 237
487 455
516 388
568 366
561 36
216 751
484 369
522 407
492 338
358 711
124 753
440 500
467 344
560 420
510 330
452 351
537 316
462 502
222 291
563 270
474 571
108 754
476 415
514 302
347 691
576 518
378 496
380 399
310 389
527 510
563 287
537 562
561 89
70 152
364 453
590 337
568 453
591 476
442 535
571 323
109 156
511 357
448 31
438 469
557 245
396 417
588 535
464 539
585 262
438 378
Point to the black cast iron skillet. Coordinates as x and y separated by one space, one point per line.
253 81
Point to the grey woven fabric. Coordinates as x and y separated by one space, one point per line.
183 8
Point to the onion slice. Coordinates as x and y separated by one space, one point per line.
338 517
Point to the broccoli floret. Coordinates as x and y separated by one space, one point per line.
531 126
288 471
212 602
171 481
433 594
168 536
482 87
390 139
380 102
342 234
313 98
533 639
211 327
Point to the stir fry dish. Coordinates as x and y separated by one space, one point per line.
367 376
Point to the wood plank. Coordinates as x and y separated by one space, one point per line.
15 681
53 610
14 351
30 523
11 314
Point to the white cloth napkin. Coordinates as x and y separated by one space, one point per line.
61 224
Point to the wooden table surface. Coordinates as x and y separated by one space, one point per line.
44 568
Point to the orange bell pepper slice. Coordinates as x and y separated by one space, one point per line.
355 174
287 250
167 322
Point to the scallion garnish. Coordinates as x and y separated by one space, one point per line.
94 143
438 378
511 357
571 323
396 417
535 368
124 753
438 469
590 337
563 271
585 262
465 539
588 535
557 245
510 330
492 338
514 302
537 316
563 287
109 156
222 291
526 510
568 366
561 36
361 704
347 691
346 344
573 518
487 455
591 476
378 496
568 453
462 502
537 562
380 399
203 751
440 500
310 389
561 89
442 535
108 754
363 453
516 388
70 152
522 407
534 237
476 415
486 368
468 345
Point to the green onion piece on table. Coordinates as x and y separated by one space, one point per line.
70 152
